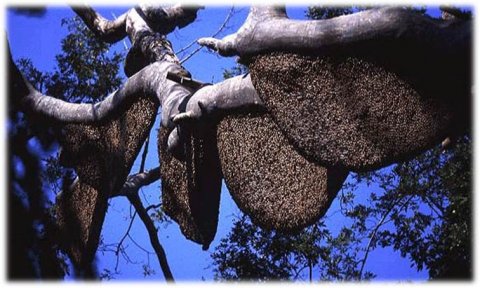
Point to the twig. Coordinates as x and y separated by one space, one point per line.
139 246
186 47
153 206
224 24
230 13
125 255
434 206
123 239
310 268
298 271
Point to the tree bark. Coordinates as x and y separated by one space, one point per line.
149 82
216 100
110 31
265 29
136 181
268 29
159 19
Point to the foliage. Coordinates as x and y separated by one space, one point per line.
322 12
85 72
251 253
420 208
424 210
236 70
33 251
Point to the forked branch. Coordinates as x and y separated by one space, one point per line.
165 19
143 17
110 31
213 100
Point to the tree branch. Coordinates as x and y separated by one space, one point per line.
165 19
213 100
151 82
143 17
152 232
144 155
268 29
119 245
153 206
136 181
110 31
140 246
375 230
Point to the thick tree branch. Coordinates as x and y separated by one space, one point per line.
229 45
165 19
149 82
233 93
144 17
213 100
268 29
110 31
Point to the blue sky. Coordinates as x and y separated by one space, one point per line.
39 40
